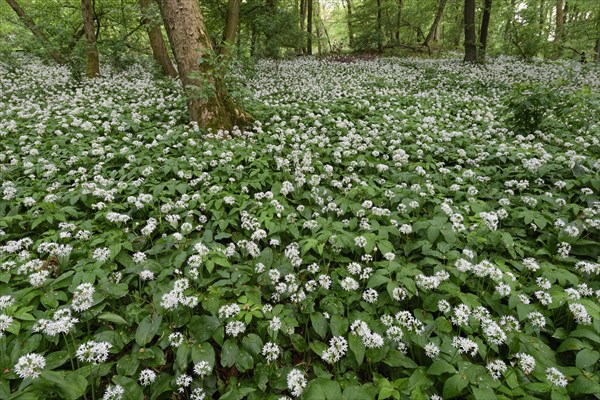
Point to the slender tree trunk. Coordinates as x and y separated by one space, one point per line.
350 30
231 26
208 104
483 32
253 40
318 27
302 13
436 23
309 14
272 50
597 58
398 20
37 32
379 30
558 31
470 35
93 62
157 43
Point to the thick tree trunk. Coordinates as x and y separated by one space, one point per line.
379 30
558 31
398 20
309 15
93 62
436 22
208 104
483 32
231 26
37 32
470 36
350 30
302 49
157 43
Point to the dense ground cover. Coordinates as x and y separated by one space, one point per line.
392 228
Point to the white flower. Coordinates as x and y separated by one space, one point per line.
114 393
271 351
526 362
432 350
83 297
175 339
360 241
202 369
94 352
198 394
496 368
556 377
30 366
580 314
370 296
296 382
147 377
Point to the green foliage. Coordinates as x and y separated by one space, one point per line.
381 233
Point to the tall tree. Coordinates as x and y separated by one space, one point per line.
485 25
207 102
231 25
398 20
350 30
157 43
436 22
302 20
93 62
379 28
470 35
558 31
318 27
309 15
37 32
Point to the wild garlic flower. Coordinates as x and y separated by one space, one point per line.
30 366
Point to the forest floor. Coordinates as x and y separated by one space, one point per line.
390 228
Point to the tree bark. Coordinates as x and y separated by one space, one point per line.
309 13
558 31
470 36
597 58
207 102
398 20
379 30
93 62
436 23
302 19
318 28
157 43
272 50
37 32
483 32
231 26
350 30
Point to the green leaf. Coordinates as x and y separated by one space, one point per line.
584 385
133 391
229 353
357 347
69 385
204 327
147 329
112 317
244 361
484 394
586 358
339 325
439 367
253 344
454 386
319 324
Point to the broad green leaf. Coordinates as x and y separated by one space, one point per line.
147 329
